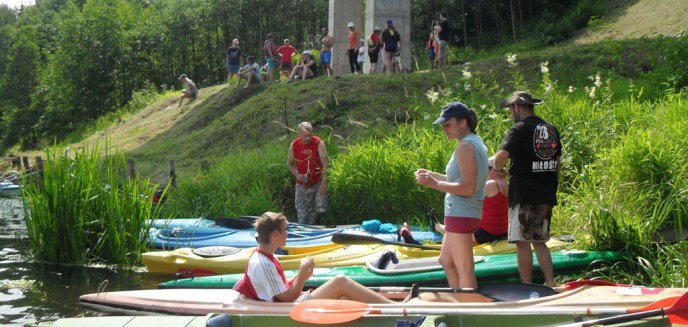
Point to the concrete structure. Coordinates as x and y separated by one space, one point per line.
377 12
340 14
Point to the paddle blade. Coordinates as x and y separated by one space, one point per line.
678 313
328 312
349 239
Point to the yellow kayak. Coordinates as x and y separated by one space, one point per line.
498 247
188 261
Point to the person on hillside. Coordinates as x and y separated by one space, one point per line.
432 45
466 173
352 50
234 59
534 147
305 68
374 48
326 52
391 45
443 36
494 223
190 91
250 73
264 278
286 53
270 53
307 161
360 59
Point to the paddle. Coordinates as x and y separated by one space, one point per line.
325 312
346 238
677 313
497 292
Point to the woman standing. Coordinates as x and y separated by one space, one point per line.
463 184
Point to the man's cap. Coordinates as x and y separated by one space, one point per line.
308 52
520 98
452 109
390 22
350 24
377 28
182 76
286 40
235 41
491 162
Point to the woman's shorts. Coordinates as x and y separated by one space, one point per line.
431 54
373 57
483 236
461 225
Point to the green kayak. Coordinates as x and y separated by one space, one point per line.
498 268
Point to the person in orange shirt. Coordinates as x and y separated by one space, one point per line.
354 35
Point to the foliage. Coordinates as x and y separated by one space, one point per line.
84 210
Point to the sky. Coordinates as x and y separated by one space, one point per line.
16 3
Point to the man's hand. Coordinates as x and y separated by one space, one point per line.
307 266
301 178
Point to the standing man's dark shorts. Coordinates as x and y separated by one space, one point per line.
529 223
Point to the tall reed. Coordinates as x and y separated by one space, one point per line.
85 209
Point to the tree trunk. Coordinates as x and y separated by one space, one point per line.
463 20
513 21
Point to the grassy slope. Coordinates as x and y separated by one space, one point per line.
628 19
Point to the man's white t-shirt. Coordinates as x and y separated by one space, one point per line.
264 277
255 72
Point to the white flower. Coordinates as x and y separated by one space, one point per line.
511 59
482 107
598 80
544 67
427 116
467 87
467 74
591 91
432 95
591 77
549 88
493 116
572 89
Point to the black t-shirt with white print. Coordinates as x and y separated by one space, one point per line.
534 147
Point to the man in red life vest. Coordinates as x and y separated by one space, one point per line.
264 278
308 162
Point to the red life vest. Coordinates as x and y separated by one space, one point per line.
495 214
245 287
307 159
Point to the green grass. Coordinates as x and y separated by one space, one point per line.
85 210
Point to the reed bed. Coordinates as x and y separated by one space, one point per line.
84 209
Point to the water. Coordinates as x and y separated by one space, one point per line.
32 291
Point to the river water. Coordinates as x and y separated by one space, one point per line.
31 291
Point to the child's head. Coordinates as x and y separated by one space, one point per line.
182 78
271 225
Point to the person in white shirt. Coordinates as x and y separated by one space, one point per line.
189 92
250 72
361 55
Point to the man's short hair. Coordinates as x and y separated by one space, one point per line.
251 58
444 14
268 223
270 35
182 76
306 126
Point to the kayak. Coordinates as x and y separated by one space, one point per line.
187 261
285 321
579 300
235 232
498 268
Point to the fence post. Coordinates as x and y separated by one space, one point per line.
26 163
173 174
16 162
131 168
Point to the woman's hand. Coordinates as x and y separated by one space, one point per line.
425 177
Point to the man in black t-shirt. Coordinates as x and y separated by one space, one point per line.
534 148
234 58
443 36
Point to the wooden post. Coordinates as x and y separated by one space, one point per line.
16 163
26 163
131 168
205 166
173 174
286 117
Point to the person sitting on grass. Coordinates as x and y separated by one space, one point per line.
306 68
190 91
264 278
250 72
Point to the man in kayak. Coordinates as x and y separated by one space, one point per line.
534 148
264 278
307 161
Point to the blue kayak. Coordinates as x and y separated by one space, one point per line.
199 232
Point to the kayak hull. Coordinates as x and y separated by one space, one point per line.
500 268
580 300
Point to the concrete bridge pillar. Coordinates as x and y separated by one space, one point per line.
341 12
377 12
